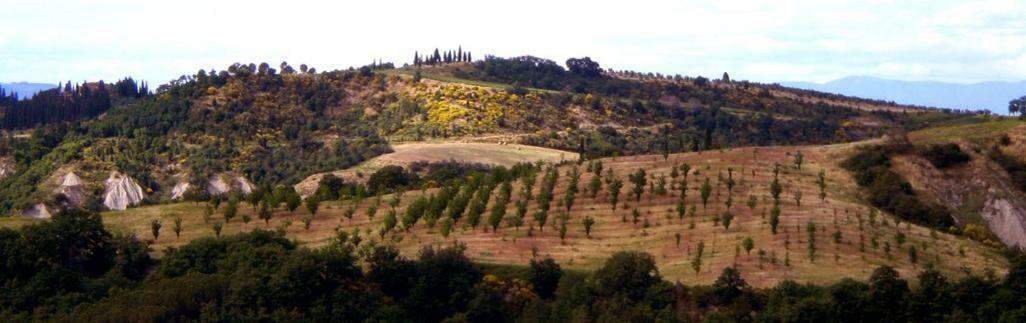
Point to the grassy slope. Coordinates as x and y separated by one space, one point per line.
968 131
485 153
477 152
611 234
15 222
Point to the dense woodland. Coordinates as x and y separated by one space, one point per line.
72 268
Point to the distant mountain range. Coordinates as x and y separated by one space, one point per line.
993 96
26 90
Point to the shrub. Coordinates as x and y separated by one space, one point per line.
1016 169
545 275
390 177
944 155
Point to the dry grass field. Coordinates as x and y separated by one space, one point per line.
404 154
785 255
483 153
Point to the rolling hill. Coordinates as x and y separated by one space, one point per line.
849 241
277 128
502 188
251 130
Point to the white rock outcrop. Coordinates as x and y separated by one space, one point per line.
1005 218
72 180
244 185
38 211
980 186
217 186
121 192
6 169
73 188
179 190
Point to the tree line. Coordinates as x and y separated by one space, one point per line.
73 268
448 56
67 102
64 103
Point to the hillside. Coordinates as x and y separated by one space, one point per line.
254 137
278 126
502 188
865 241
988 188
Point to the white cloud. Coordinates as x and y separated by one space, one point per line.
761 40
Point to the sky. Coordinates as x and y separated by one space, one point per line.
766 41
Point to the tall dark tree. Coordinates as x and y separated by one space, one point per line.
545 275
888 294
444 276
73 239
627 274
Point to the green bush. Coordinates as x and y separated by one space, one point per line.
944 155
390 177
1016 169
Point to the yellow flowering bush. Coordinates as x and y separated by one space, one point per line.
467 108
